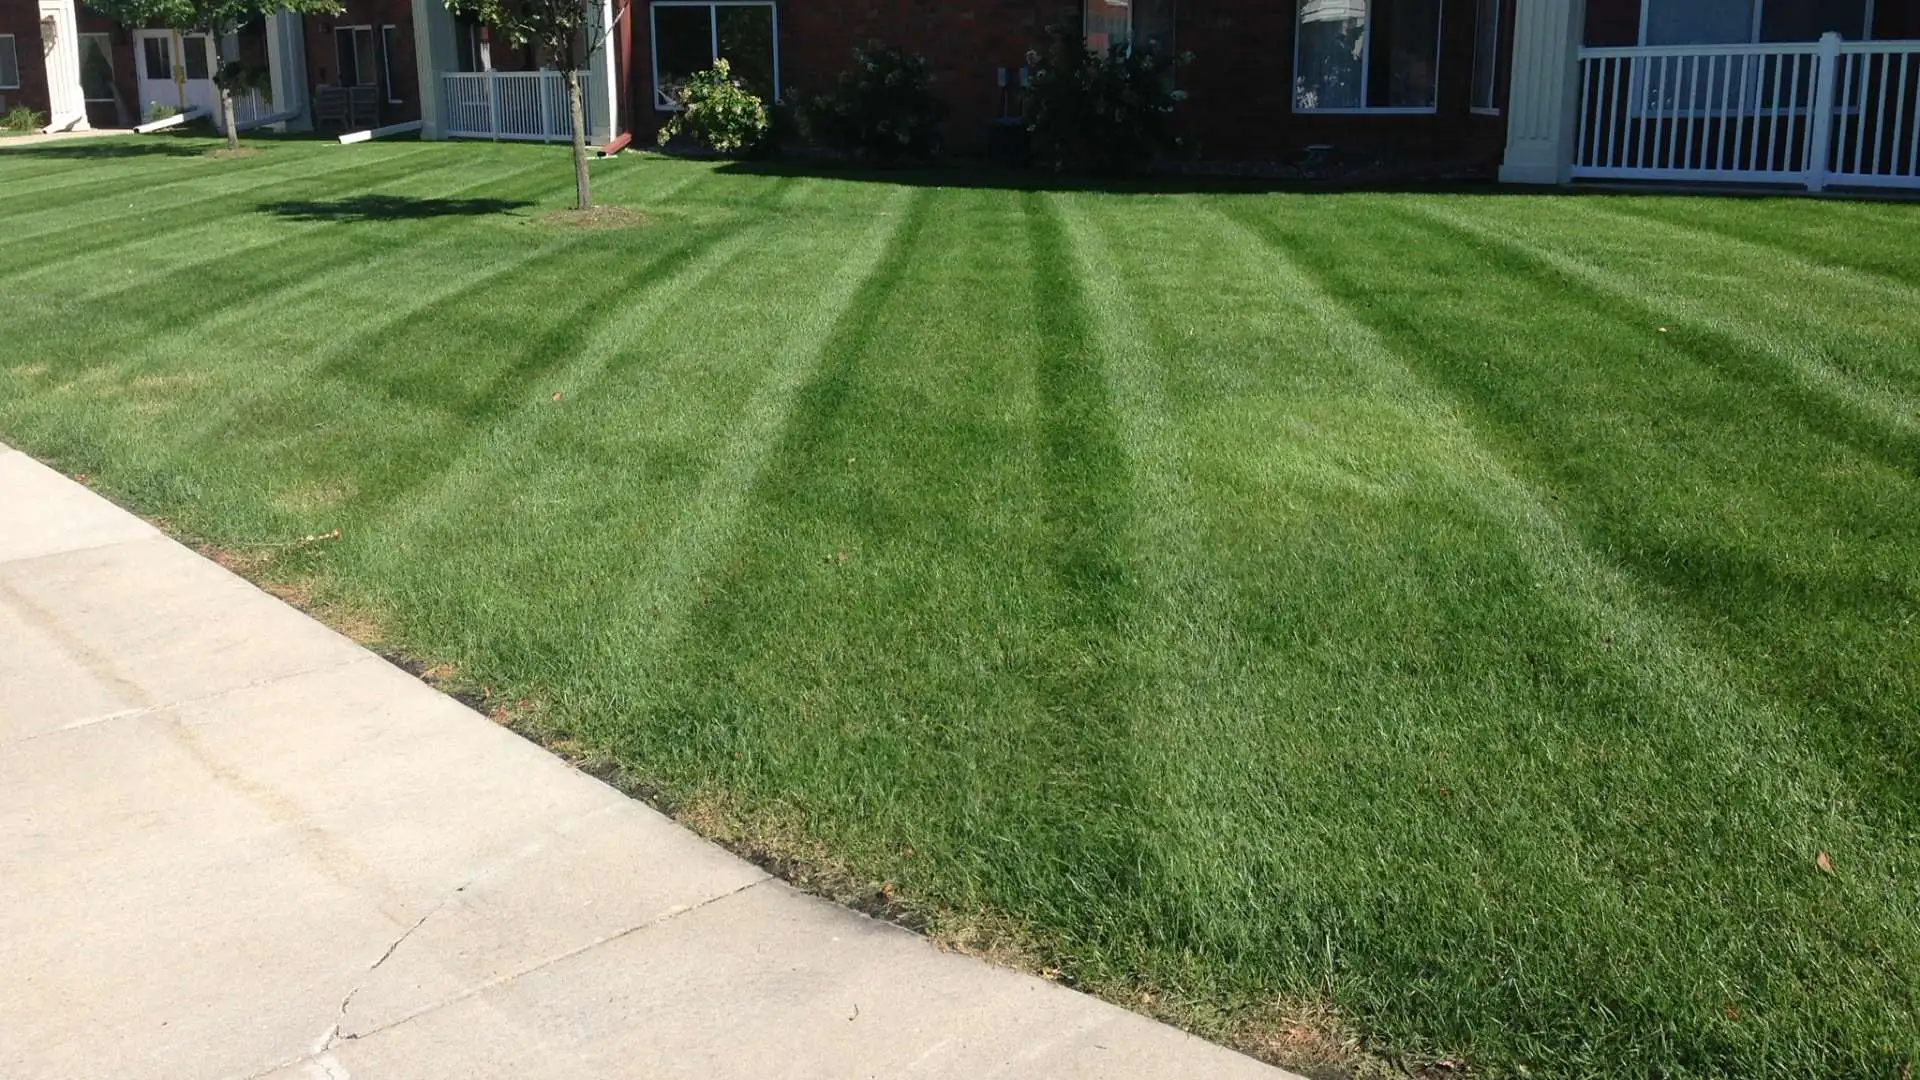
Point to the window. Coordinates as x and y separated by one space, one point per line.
158 54
1486 58
353 47
1367 55
96 67
389 40
472 51
195 58
1126 22
689 37
1741 22
1108 23
9 64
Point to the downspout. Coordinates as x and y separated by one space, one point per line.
623 104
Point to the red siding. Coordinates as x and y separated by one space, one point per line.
21 18
1241 101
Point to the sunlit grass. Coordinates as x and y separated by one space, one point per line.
1475 614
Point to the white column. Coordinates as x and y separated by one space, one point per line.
60 44
603 82
434 51
1543 105
287 68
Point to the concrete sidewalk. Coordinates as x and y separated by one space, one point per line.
235 844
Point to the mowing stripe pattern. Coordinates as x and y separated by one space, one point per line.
1365 629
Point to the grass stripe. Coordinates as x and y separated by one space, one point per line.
1089 513
1817 387
659 284
318 257
1762 788
207 205
318 252
1860 239
707 526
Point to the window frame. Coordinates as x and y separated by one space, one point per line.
467 48
13 50
1759 21
713 44
1086 21
1366 70
1492 107
389 31
206 55
339 68
144 62
83 63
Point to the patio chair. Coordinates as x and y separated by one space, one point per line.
363 106
332 105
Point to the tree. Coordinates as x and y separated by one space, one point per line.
565 32
217 19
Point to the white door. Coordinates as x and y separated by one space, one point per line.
162 71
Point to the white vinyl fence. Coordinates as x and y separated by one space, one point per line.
529 105
1817 114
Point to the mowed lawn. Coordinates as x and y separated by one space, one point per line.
1488 625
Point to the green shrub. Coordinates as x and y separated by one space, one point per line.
21 120
883 109
718 113
157 111
1106 114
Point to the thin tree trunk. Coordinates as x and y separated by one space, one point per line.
214 37
226 118
582 184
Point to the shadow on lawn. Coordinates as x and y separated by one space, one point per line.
964 174
387 208
89 150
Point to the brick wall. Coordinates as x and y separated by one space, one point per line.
21 18
965 42
1241 97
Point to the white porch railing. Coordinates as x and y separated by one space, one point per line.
1831 112
529 105
249 108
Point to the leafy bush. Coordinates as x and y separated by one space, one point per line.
883 109
1107 114
716 112
157 111
21 120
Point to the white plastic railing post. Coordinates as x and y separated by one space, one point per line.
546 109
1820 131
493 105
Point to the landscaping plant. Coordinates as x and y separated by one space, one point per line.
717 112
21 120
1110 113
218 19
883 109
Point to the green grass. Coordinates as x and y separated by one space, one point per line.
1473 614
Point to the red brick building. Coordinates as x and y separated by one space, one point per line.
1427 76
1787 92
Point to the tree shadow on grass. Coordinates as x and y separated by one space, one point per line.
360 208
962 173
101 150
